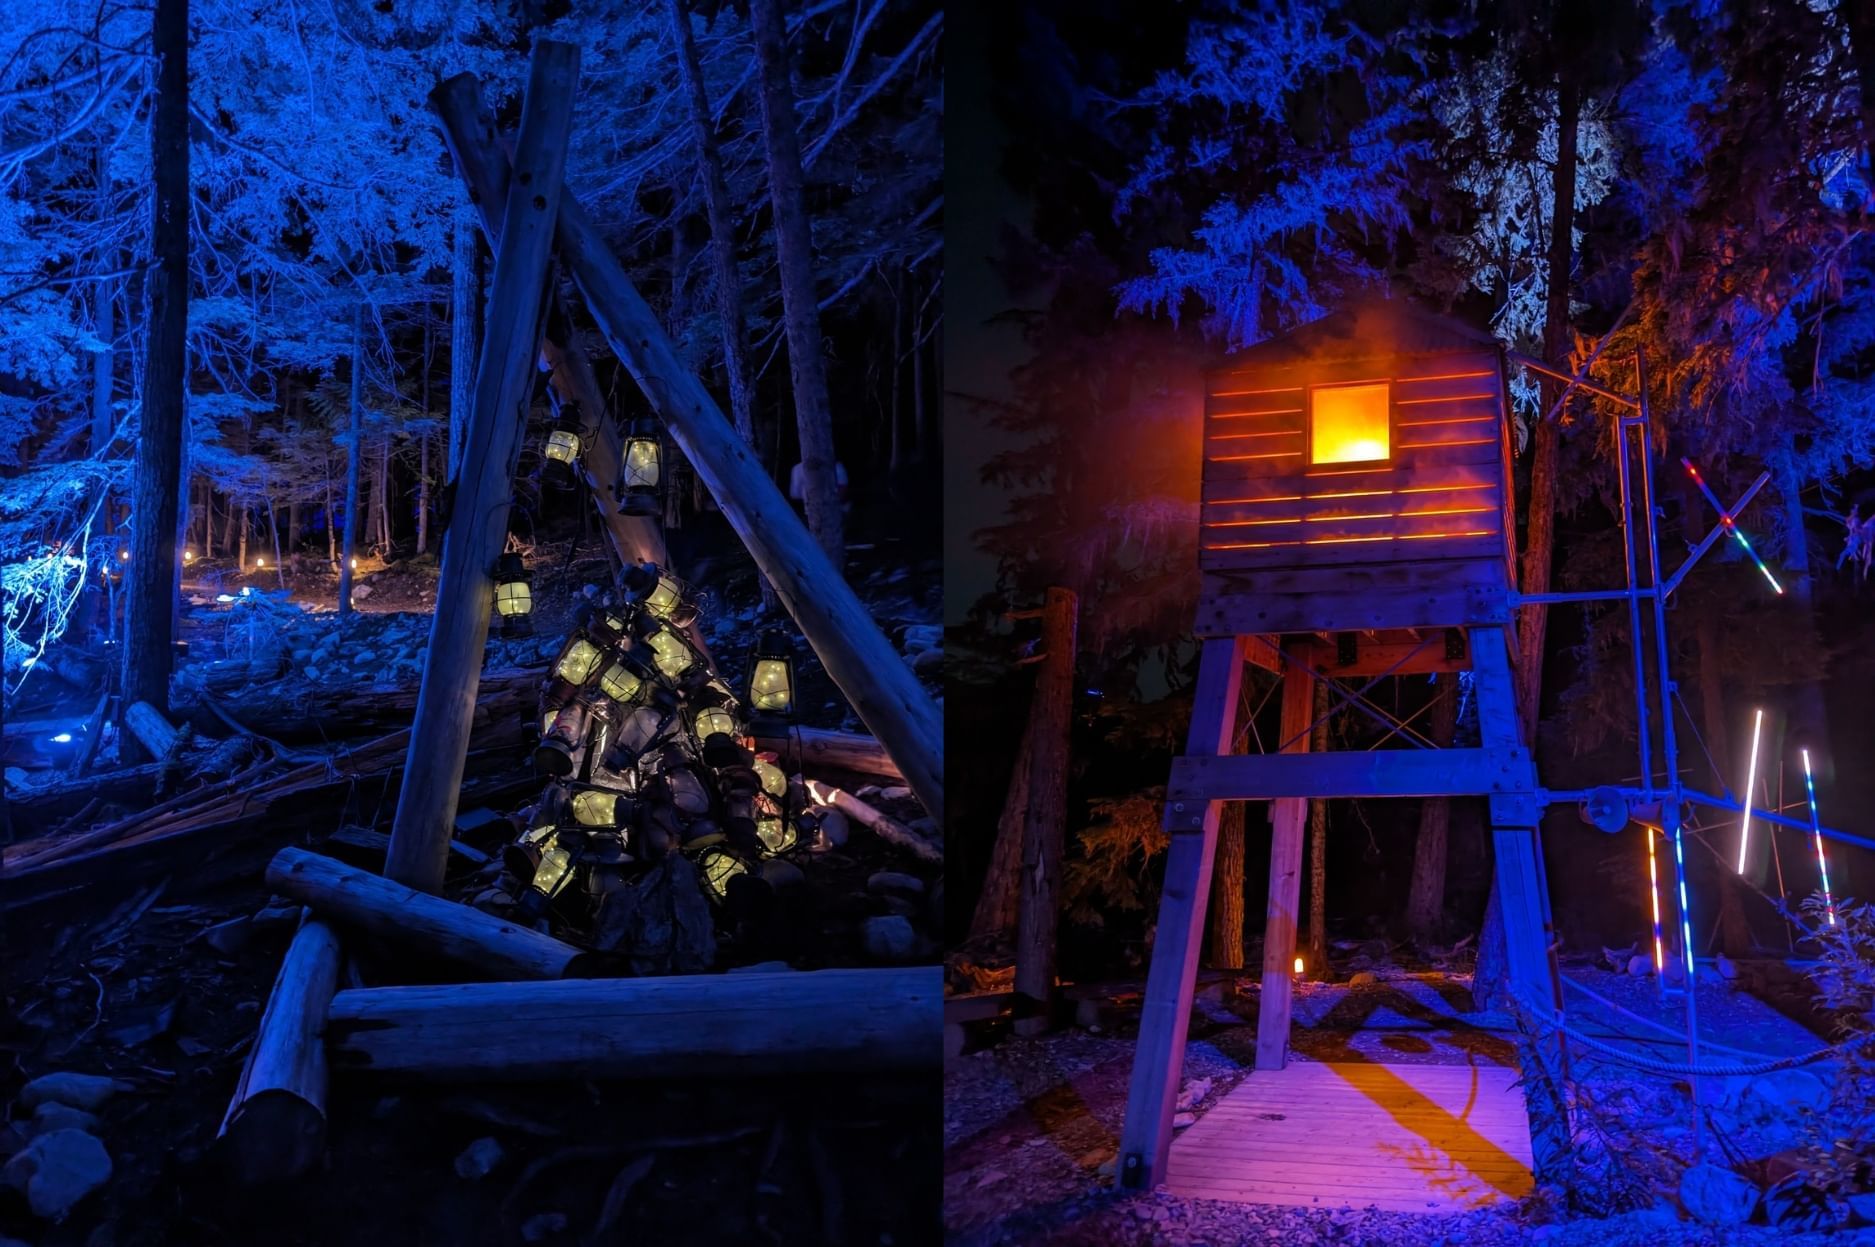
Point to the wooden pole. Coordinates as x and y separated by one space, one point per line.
1159 1057
996 903
465 591
354 454
810 748
1288 817
275 1127
1038 913
710 1026
1317 964
371 903
856 655
1227 887
152 730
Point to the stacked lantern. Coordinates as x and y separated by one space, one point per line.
649 754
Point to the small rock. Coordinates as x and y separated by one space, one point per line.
1362 979
230 937
888 939
923 637
928 661
1717 1196
896 793
892 881
1193 1091
479 1159
542 1226
57 1170
834 829
1861 1207
1728 970
361 592
1640 967
52 1116
1182 1120
900 905
1782 1092
86 1091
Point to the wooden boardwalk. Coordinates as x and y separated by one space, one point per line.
1404 1138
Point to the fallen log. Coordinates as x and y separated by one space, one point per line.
418 920
710 1025
295 711
155 733
810 749
882 824
855 653
275 1126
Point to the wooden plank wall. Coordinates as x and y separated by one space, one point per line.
1442 496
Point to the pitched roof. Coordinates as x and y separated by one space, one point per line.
1367 330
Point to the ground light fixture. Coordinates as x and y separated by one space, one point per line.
641 470
771 678
514 598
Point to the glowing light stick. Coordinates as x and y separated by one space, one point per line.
1816 829
1751 781
1686 910
1731 527
1653 879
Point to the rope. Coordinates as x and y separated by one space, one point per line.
1739 1070
1662 1027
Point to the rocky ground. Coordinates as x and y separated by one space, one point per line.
140 1011
1031 1127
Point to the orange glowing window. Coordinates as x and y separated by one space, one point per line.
1350 423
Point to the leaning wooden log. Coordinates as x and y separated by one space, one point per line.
293 711
856 655
883 825
275 1127
154 732
711 1025
465 592
812 749
419 921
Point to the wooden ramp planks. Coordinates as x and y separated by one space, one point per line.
1404 1138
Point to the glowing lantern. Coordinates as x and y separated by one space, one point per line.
1350 423
558 854
671 652
577 661
716 866
714 717
771 676
641 471
774 781
554 754
563 446
514 600
1298 965
620 683
599 807
259 563
188 556
663 594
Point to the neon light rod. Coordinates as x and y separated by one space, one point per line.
1751 780
1816 826
1653 881
1725 518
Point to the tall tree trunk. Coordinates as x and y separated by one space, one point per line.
996 903
332 532
465 291
794 253
149 653
423 443
103 419
241 558
381 498
294 520
1038 915
1317 963
354 451
1227 883
1425 901
273 527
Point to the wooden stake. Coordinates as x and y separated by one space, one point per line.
856 655
1288 817
275 1127
1159 1058
707 1026
426 809
1038 915
429 924
883 825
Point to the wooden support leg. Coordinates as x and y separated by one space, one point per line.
1288 817
1158 1060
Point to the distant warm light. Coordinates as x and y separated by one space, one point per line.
1350 423
1751 781
124 555
259 562
1298 965
354 564
63 738
188 556
1816 830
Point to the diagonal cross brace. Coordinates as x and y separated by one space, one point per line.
1725 525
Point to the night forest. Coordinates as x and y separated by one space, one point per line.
469 530
1668 196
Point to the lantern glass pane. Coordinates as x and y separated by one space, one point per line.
563 446
664 599
774 782
1350 423
776 835
641 463
546 721
577 661
771 689
717 868
513 598
555 865
594 808
715 720
673 656
619 683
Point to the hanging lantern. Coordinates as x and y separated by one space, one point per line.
514 599
716 866
670 653
600 807
662 593
578 659
620 682
641 471
563 444
713 713
771 677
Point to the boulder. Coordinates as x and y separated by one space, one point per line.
57 1170
52 1116
1717 1196
834 828
1362 979
479 1159
888 939
86 1091
1786 1092
893 883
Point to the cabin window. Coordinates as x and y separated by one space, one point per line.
1350 423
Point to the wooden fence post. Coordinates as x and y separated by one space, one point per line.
426 808
1288 817
856 655
1044 819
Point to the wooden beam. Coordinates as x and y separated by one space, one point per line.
428 924
883 825
1352 610
275 1127
1288 819
152 730
1373 773
1159 1056
1044 819
858 658
706 1026
426 809
809 748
